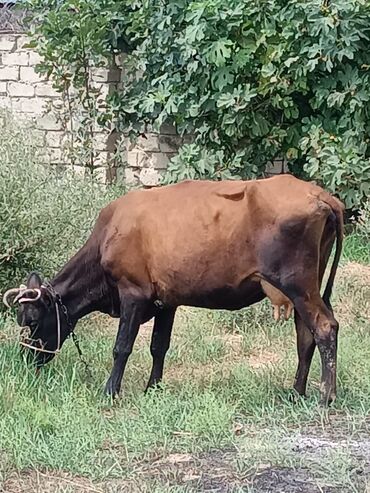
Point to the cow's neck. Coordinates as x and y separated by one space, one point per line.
82 285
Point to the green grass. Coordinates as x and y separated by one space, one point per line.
225 400
356 248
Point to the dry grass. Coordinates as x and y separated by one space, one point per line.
354 279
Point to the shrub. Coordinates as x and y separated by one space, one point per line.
251 81
45 216
257 81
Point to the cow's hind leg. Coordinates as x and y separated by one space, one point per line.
131 316
319 319
161 337
305 346
321 322
305 339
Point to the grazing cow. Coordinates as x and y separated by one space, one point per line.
197 243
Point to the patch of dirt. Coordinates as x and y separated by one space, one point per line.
262 358
334 438
5 337
355 270
53 482
217 471
289 480
178 373
233 342
257 359
211 472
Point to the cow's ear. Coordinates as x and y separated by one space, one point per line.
34 281
232 190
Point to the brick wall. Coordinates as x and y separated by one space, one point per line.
32 99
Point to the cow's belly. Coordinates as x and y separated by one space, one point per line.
223 298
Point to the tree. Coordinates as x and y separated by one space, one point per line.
250 81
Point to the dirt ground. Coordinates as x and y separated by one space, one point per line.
212 472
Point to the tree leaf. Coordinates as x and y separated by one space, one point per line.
219 51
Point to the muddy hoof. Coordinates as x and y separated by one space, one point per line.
294 397
111 389
327 402
155 386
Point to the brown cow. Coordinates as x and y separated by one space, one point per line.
197 243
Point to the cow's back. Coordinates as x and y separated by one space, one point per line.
199 236
172 230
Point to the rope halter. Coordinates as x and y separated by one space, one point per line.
21 295
31 295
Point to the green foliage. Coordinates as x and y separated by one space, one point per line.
69 35
45 217
338 162
254 81
250 81
74 40
356 246
196 162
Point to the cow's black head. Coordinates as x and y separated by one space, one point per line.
38 312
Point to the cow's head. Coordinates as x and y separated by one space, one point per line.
39 313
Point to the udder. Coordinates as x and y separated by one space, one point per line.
281 304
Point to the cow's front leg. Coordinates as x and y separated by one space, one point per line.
129 324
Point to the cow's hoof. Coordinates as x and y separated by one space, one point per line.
111 390
155 386
294 397
326 402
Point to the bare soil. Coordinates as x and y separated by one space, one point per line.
212 472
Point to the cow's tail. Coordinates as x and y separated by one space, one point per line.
338 210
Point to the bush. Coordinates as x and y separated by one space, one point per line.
251 81
45 217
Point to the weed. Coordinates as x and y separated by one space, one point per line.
44 215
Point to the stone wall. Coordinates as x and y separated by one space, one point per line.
32 99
